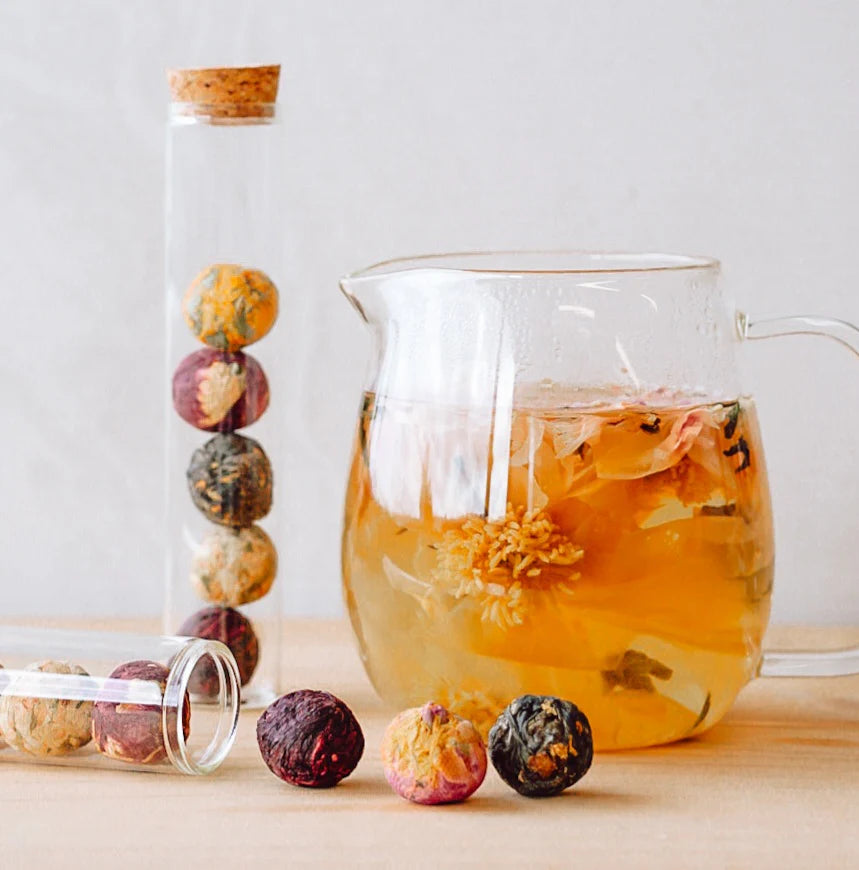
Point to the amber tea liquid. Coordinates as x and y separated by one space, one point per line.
614 552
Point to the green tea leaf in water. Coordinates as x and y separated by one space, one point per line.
636 671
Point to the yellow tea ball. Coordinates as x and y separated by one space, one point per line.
229 307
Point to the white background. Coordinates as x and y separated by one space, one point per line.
727 128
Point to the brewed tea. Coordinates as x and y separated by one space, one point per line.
613 551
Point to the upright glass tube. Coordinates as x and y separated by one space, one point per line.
116 700
224 451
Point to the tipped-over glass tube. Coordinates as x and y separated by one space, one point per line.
111 700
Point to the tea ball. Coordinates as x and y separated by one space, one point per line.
233 566
233 630
217 391
229 307
541 745
431 756
230 480
127 729
46 726
310 738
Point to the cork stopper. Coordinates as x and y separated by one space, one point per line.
246 92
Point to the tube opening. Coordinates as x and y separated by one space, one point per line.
204 676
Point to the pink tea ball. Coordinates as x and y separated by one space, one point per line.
431 756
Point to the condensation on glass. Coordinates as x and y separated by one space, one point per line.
116 701
223 386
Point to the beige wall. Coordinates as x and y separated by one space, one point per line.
721 128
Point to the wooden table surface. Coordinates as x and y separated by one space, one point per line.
776 784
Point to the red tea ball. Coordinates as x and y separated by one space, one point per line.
129 731
233 630
219 392
310 738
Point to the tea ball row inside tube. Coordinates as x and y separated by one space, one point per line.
124 730
221 389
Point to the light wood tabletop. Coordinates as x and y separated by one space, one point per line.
775 784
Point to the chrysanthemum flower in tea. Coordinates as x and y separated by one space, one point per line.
431 756
541 745
494 562
46 726
310 738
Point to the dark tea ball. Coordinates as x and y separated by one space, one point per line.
219 392
230 480
233 630
541 745
127 730
310 738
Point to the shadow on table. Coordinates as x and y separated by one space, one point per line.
369 790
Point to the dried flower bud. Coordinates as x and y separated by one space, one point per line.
431 756
219 392
228 307
310 738
230 480
46 726
133 732
234 566
541 745
231 629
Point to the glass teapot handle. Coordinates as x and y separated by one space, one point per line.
805 663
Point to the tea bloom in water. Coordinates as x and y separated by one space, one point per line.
616 553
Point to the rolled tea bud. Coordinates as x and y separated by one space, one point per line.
134 732
541 745
431 756
310 738
231 629
229 307
219 392
230 480
46 726
233 566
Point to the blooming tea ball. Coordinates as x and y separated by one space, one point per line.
229 307
233 630
541 745
233 566
126 729
217 391
310 738
47 726
432 756
230 480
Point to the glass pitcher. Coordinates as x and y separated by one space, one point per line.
558 487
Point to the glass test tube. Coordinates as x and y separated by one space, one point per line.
110 700
224 447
